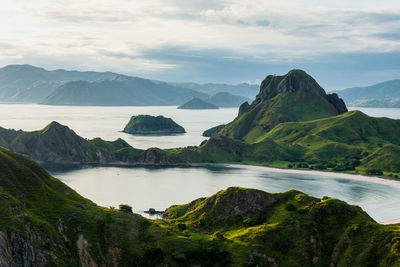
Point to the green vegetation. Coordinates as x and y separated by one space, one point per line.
350 142
295 96
146 124
43 222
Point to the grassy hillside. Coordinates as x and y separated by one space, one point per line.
352 142
295 96
45 223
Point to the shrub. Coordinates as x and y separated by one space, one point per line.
319 167
290 207
125 208
290 166
181 226
302 165
374 172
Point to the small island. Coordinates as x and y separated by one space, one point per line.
197 103
146 125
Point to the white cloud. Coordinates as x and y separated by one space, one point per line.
118 33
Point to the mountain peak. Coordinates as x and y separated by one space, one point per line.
295 96
294 81
55 127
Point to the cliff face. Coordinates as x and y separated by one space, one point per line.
45 223
295 96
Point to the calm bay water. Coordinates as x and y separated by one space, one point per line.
159 188
108 122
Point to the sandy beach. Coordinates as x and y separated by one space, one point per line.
356 177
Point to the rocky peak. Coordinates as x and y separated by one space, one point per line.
293 81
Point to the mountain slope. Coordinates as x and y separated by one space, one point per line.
45 223
29 84
225 100
121 91
295 96
376 103
197 103
378 95
243 89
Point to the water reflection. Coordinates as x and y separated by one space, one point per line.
159 188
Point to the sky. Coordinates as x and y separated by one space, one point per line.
341 43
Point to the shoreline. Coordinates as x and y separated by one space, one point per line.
355 177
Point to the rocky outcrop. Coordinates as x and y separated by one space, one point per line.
337 102
243 108
213 130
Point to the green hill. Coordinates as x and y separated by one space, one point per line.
146 124
351 142
295 96
45 223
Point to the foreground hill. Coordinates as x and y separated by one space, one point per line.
45 223
381 95
121 91
29 84
295 96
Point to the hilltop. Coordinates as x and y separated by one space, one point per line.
146 124
295 96
45 223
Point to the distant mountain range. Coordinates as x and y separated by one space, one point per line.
243 89
120 91
381 95
29 84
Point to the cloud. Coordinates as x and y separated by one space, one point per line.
163 36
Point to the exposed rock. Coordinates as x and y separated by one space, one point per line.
243 108
213 130
83 251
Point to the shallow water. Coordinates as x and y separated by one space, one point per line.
159 188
